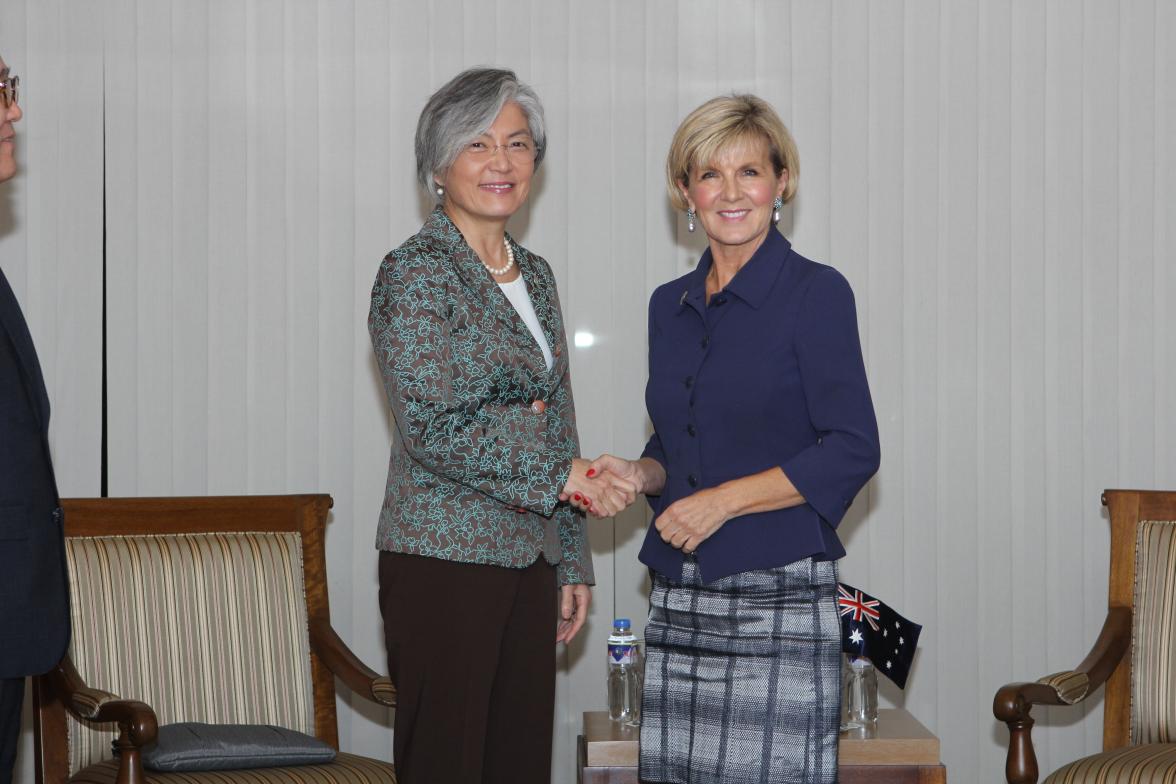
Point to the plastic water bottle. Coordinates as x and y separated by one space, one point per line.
624 677
859 693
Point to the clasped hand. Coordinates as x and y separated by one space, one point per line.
597 492
690 521
684 524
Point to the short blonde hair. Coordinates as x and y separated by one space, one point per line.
719 123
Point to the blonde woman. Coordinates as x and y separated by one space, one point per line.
764 432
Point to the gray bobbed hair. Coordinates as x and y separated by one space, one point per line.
463 110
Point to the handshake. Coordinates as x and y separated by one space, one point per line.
604 486
608 484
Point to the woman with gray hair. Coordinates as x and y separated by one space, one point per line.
483 557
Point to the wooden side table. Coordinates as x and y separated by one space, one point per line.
900 751
607 751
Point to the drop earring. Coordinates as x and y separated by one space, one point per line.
690 216
776 205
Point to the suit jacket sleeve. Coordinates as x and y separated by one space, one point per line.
832 471
497 446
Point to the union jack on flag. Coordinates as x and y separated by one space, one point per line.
858 606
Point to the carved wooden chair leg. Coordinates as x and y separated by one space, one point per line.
130 763
1021 764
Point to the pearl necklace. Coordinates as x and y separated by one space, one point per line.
510 260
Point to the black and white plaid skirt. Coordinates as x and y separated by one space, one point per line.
743 677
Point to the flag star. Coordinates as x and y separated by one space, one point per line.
855 636
885 633
897 625
888 664
901 641
896 651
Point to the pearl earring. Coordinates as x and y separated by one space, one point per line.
690 216
776 205
440 192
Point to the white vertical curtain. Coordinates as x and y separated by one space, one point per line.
995 178
51 220
51 232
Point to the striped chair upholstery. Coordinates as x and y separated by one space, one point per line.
1071 687
1153 639
208 627
1153 762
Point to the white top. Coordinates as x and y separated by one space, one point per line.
516 292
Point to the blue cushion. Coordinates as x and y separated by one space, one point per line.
190 746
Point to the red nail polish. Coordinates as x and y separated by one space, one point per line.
576 496
591 472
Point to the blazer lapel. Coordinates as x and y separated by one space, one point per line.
471 270
474 273
544 299
12 322
485 290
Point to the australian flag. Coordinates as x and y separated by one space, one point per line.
869 628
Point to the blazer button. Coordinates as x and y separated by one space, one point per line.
538 406
692 480
690 431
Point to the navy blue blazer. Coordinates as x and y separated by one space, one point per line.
34 594
769 373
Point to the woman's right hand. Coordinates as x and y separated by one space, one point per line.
599 493
627 470
647 475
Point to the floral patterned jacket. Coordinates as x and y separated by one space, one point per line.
486 434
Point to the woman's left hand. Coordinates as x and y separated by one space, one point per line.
689 521
573 610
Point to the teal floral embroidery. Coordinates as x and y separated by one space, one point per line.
475 469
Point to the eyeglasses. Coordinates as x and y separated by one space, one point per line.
516 149
10 90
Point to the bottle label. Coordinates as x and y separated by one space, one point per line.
620 654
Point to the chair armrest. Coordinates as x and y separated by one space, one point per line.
1014 701
1113 641
95 705
87 703
340 660
1070 686
136 720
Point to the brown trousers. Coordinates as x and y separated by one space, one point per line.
471 649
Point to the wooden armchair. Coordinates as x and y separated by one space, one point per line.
196 609
1139 722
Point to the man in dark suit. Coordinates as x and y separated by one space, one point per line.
34 594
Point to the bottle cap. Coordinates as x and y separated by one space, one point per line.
622 623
